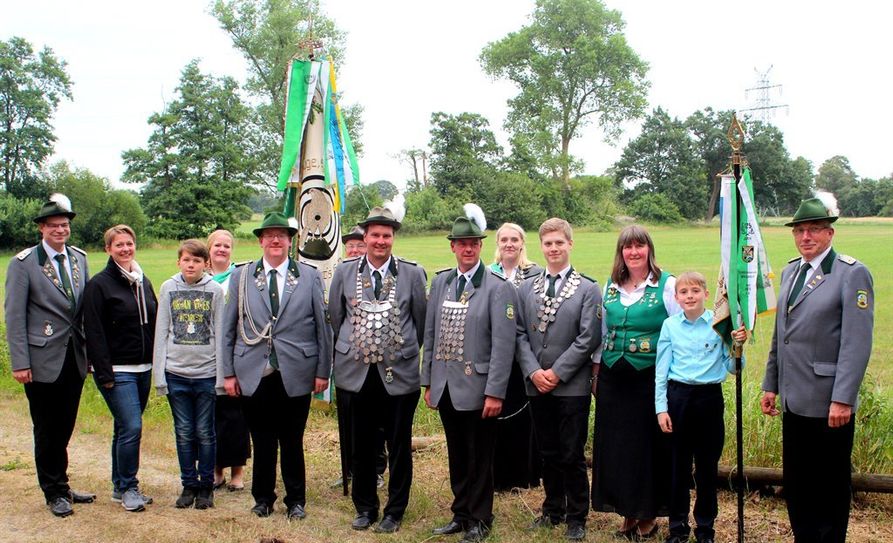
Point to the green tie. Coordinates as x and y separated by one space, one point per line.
461 288
377 275
798 285
66 282
550 292
274 308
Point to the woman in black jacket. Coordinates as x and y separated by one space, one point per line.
119 322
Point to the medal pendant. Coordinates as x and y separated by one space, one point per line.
190 328
632 347
468 368
388 376
47 328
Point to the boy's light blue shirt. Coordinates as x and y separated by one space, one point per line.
691 353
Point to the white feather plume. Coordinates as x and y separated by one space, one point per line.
61 200
397 206
476 214
829 201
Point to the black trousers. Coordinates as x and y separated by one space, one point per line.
345 434
817 477
372 409
277 422
470 444
54 409
561 424
696 412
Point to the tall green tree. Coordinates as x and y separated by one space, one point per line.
198 166
268 33
97 204
31 87
663 160
836 175
572 65
464 151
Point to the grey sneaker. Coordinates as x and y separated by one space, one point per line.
116 497
132 500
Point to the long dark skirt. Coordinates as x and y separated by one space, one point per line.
516 462
233 440
632 458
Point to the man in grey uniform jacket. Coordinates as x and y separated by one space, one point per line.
558 330
819 353
377 307
468 351
276 351
44 286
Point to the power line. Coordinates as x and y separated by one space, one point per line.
764 108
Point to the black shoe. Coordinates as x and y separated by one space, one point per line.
476 533
187 498
60 506
80 497
362 521
704 538
575 532
451 527
388 525
205 498
296 512
262 510
544 521
676 539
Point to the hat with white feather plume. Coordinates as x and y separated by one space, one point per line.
471 226
821 208
390 214
57 205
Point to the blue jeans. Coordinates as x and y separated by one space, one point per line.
192 405
127 401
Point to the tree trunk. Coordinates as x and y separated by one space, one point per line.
714 196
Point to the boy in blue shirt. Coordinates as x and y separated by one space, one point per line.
692 363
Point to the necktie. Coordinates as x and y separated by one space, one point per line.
798 284
550 292
461 288
66 282
377 276
274 307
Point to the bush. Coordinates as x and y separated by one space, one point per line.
655 208
17 229
426 210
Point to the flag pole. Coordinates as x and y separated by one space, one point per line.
735 136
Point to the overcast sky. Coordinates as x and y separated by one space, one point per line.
407 59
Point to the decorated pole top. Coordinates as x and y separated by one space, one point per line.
735 136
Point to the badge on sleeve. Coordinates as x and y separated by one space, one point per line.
862 299
510 311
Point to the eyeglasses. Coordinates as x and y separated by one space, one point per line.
55 225
275 236
813 230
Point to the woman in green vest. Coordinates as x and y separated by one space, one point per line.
631 456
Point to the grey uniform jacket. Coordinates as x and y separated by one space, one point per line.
39 321
568 343
411 280
820 348
301 333
489 342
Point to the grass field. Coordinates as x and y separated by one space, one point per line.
678 249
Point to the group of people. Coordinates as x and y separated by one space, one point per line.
643 345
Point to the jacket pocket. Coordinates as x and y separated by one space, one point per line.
410 352
309 350
37 341
239 350
482 367
825 369
342 346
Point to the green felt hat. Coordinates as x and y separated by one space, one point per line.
57 205
381 215
811 210
275 219
355 233
465 228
